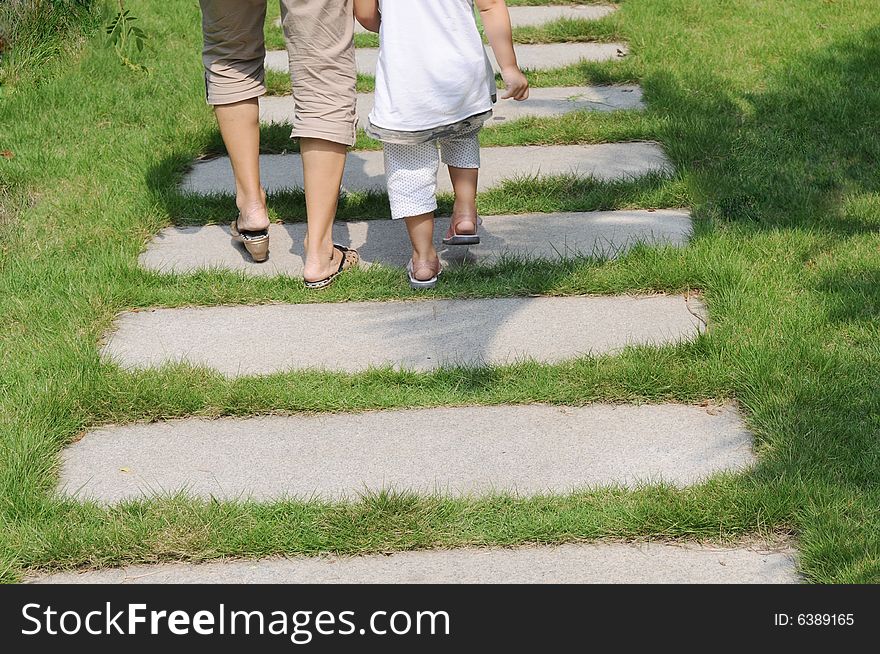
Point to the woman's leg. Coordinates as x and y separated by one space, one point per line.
240 127
233 56
320 44
411 174
323 165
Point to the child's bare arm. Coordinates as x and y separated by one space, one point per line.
367 14
496 21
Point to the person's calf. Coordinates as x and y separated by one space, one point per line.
464 210
421 234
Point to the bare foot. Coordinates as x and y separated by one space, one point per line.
423 270
318 268
462 225
253 215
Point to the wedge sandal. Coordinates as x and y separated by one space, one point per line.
255 242
350 259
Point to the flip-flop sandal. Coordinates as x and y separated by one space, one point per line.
255 242
463 239
420 284
350 259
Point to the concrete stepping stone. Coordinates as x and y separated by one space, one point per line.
606 234
464 451
542 103
609 563
547 56
365 170
538 56
416 335
536 16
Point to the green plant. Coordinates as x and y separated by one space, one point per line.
123 35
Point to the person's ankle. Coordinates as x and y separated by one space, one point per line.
464 208
424 268
428 255
253 218
319 249
253 209
320 264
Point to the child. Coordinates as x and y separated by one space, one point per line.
435 87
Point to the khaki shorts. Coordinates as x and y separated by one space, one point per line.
319 34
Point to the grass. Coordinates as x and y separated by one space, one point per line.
34 32
573 128
547 194
606 29
602 72
558 31
767 109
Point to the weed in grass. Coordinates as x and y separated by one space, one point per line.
125 37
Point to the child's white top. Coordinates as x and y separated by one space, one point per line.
432 68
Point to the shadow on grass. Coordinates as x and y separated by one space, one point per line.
852 297
784 157
791 159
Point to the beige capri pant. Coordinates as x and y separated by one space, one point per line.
320 37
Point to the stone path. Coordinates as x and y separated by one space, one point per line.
543 103
413 335
524 450
544 56
536 16
455 451
569 564
606 234
365 170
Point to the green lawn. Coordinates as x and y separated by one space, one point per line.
560 31
769 110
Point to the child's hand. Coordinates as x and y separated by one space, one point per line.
517 86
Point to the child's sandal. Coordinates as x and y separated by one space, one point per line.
454 238
433 267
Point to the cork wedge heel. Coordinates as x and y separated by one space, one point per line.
255 242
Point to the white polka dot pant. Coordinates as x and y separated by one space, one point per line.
411 171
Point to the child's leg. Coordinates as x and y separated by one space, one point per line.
421 233
462 155
464 211
411 174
